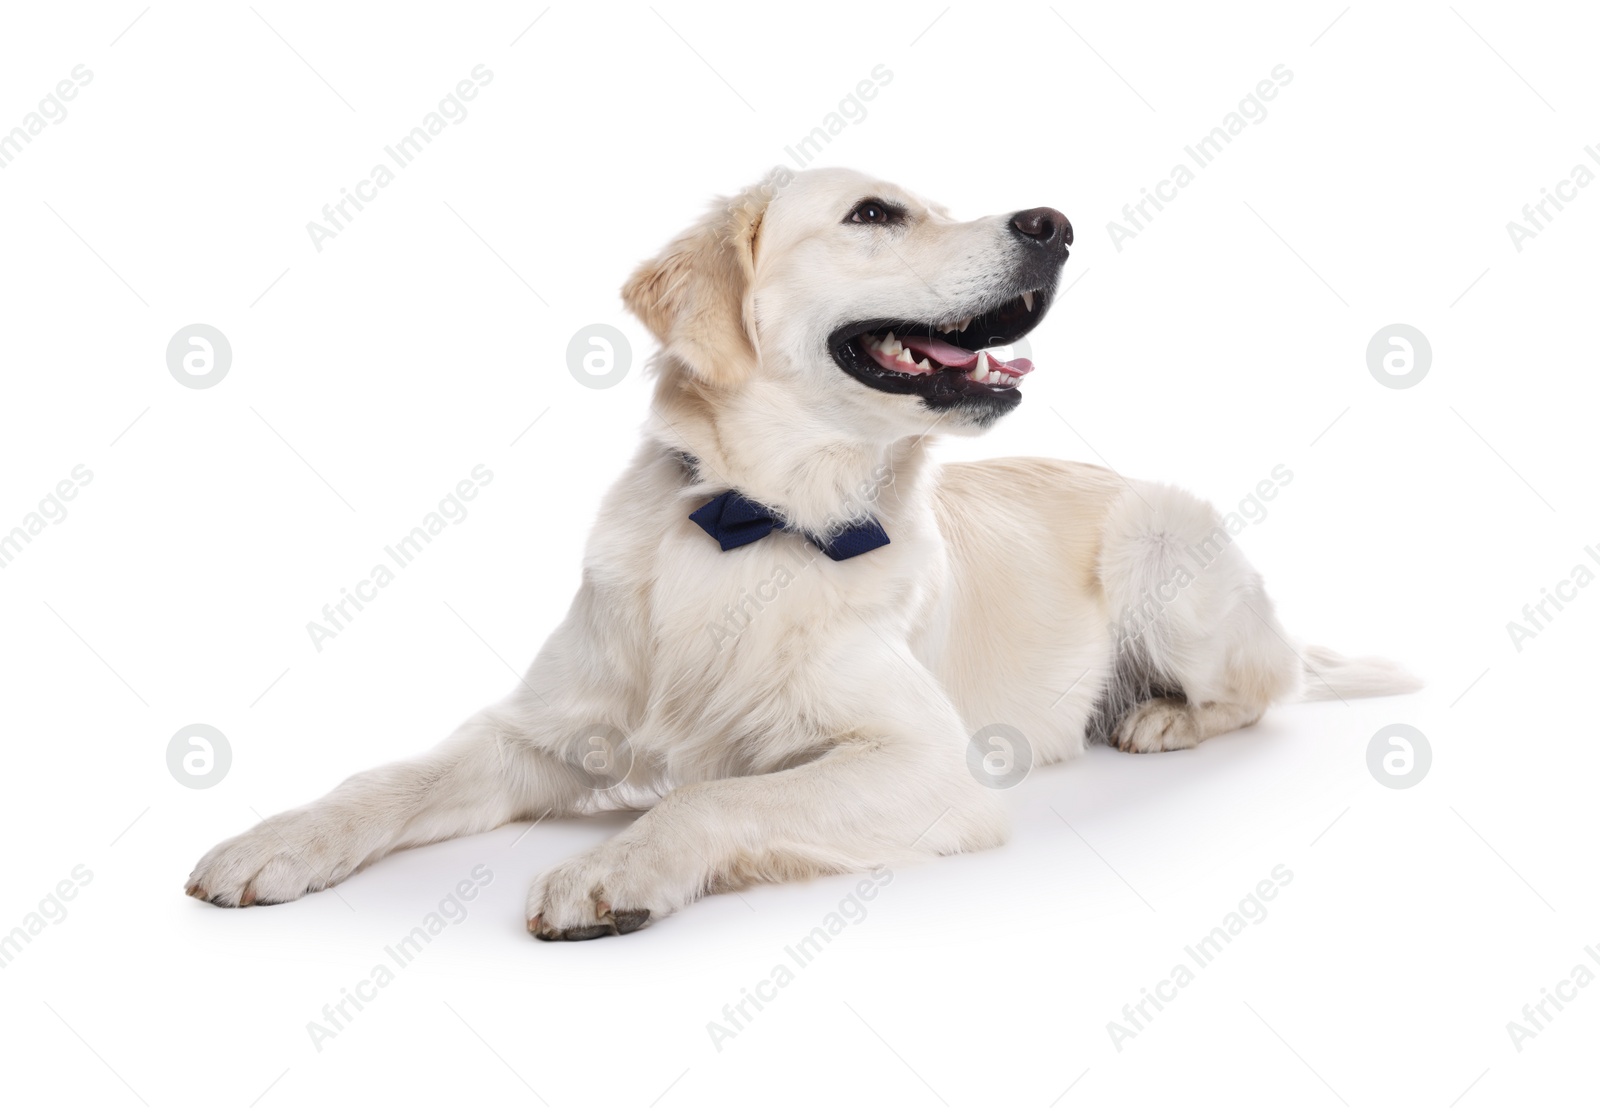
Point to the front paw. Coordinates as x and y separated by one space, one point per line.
280 859
594 894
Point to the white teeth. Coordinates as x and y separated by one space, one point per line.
987 369
1027 300
990 373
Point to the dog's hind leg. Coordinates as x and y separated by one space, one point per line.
1198 649
1168 724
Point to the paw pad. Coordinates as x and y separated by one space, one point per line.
619 923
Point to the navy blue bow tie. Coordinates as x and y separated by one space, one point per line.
734 521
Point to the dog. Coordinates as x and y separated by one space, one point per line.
806 643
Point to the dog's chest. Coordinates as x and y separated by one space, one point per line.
770 646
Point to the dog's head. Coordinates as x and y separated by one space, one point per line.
856 295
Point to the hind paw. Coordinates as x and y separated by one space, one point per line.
1156 725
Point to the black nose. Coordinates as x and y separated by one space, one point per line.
1044 225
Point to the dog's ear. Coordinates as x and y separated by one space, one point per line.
697 296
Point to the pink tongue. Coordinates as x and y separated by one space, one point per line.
950 356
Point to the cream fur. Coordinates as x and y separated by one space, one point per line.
828 728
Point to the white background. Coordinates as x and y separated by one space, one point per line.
1226 338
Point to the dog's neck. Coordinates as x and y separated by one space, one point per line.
758 442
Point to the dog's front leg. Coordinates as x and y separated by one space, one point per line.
878 797
532 755
483 776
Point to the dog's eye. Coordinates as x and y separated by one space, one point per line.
873 211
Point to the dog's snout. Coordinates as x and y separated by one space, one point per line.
1046 226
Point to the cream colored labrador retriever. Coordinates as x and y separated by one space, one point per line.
814 647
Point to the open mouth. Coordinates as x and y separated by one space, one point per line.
946 362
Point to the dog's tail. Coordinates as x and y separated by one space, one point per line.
1332 676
